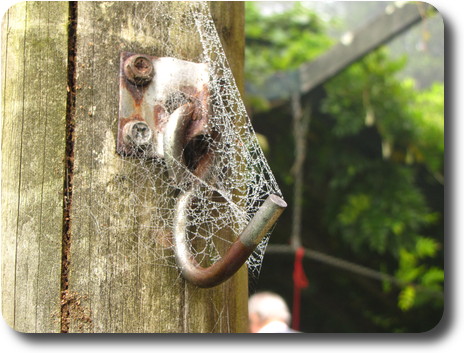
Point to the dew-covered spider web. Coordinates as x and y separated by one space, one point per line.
237 179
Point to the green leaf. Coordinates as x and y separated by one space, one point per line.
406 298
354 208
433 277
426 247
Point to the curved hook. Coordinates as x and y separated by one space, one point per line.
237 254
241 249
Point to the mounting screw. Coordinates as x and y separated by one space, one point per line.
137 133
139 69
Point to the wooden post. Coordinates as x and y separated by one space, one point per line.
107 280
34 57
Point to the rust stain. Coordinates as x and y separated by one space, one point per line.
196 137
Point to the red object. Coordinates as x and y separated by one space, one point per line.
299 281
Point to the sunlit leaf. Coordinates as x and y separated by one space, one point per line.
406 298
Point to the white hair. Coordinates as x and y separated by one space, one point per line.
269 306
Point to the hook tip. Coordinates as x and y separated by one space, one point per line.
277 200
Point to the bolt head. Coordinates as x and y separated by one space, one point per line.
137 133
139 70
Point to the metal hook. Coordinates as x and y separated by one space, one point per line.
241 249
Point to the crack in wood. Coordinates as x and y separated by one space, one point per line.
69 165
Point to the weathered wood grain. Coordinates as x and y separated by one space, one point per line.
34 59
112 271
114 283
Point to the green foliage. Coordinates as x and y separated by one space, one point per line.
281 41
376 203
406 298
374 187
410 122
368 88
414 269
376 207
427 114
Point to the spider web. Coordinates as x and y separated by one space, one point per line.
226 198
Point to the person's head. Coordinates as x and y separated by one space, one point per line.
265 307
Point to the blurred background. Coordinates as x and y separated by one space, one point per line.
359 155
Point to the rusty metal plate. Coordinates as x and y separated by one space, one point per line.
151 89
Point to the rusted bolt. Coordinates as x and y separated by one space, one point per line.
137 133
139 70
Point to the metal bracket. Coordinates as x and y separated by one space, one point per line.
152 89
164 106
